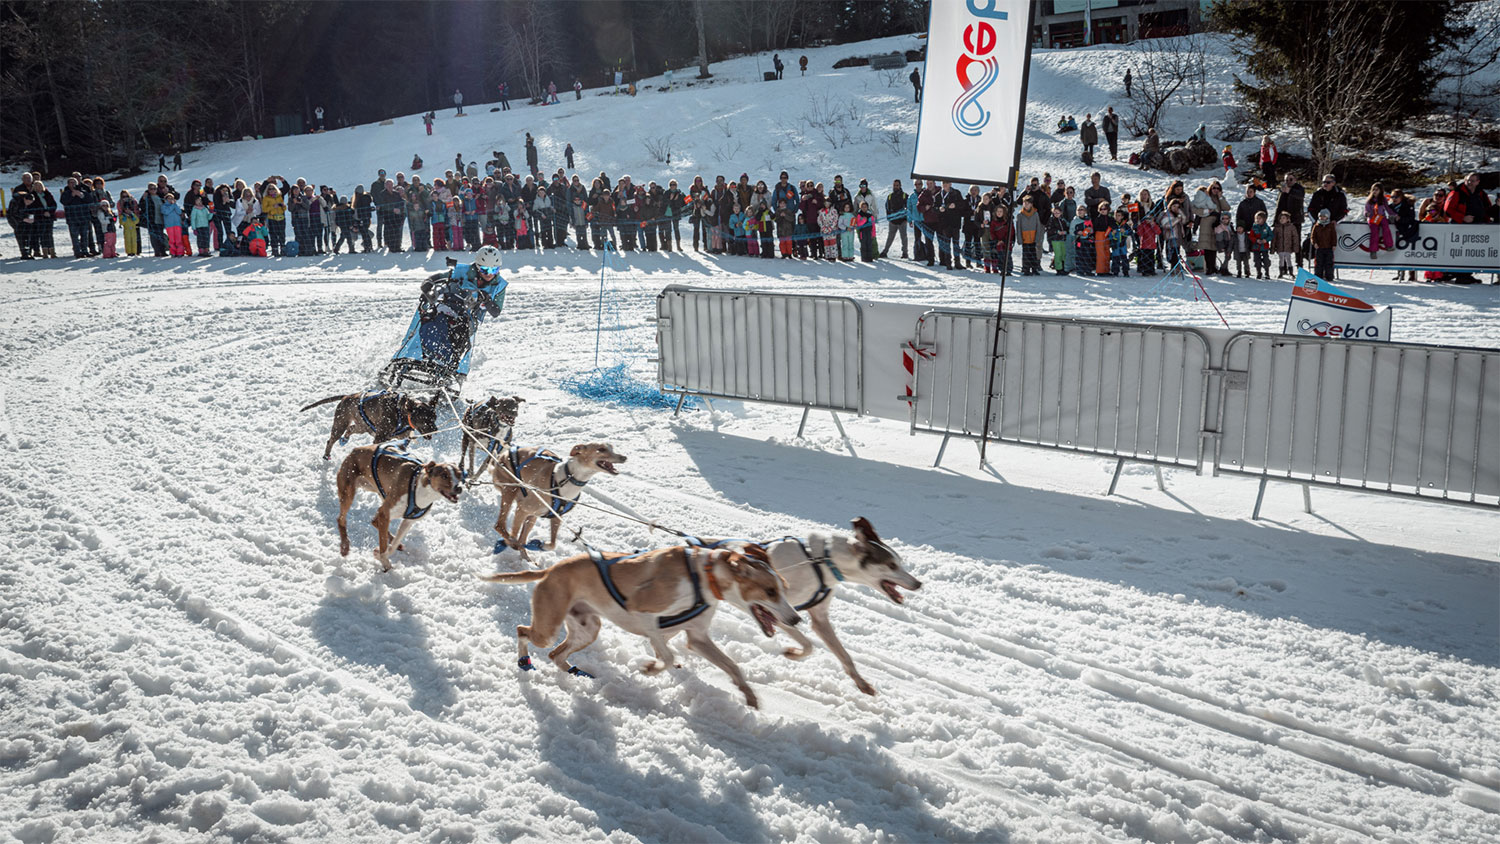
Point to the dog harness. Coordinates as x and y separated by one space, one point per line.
817 563
663 622
412 510
368 397
559 505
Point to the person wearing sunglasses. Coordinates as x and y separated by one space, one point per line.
458 300
1331 197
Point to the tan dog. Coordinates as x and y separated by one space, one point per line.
487 430
405 485
537 483
656 594
815 566
383 414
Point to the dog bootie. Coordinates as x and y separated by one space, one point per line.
579 672
525 663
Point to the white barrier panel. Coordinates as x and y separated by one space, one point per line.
1464 247
777 348
1387 417
1114 389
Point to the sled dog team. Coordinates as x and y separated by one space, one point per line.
656 593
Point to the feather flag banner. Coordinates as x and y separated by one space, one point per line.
974 97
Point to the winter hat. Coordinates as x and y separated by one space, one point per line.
1324 216
864 183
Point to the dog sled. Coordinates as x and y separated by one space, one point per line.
438 346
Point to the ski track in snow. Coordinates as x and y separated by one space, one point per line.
183 655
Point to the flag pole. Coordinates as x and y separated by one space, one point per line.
989 393
1010 188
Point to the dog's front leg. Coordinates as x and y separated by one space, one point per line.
699 642
518 540
382 523
502 521
552 540
664 657
818 616
406 525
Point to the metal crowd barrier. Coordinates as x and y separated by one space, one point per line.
1392 418
1133 392
803 351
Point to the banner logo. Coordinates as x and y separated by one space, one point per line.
976 68
1319 309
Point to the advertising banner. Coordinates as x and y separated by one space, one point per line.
974 93
1318 309
1461 247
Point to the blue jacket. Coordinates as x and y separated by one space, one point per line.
171 214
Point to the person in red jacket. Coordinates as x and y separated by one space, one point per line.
1466 203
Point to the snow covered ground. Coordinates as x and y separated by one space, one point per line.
184 655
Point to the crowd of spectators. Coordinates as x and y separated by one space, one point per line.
1095 233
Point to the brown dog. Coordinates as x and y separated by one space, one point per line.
405 485
538 483
384 414
656 594
487 430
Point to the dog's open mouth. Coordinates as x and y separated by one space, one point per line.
764 618
451 496
606 466
892 590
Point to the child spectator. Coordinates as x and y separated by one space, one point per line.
1081 247
1029 228
522 226
846 233
1057 236
1284 240
1146 236
106 217
828 226
1324 237
1378 216
1242 252
343 219
864 226
200 217
171 216
786 227
1260 245
130 221
1119 245
1002 235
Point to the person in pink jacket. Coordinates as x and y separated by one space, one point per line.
1378 216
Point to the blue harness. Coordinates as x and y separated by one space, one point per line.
412 510
367 397
663 622
824 590
559 505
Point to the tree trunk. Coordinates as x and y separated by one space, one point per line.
702 42
57 109
36 127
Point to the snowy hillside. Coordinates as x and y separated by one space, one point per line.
184 656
